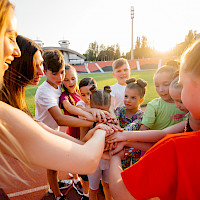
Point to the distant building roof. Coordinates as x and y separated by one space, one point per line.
65 50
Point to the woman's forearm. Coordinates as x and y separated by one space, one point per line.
48 150
59 133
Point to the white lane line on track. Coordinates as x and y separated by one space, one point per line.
28 191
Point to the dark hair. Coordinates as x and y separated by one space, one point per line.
87 81
53 60
100 97
139 84
68 67
19 74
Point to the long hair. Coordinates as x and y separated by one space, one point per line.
70 67
5 7
190 60
8 142
19 74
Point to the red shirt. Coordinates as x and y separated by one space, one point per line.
169 170
73 131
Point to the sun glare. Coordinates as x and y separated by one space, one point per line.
163 46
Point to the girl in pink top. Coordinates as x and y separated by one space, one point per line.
69 99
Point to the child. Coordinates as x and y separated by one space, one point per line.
47 107
153 136
68 101
168 170
161 112
84 86
175 92
130 116
70 97
100 99
121 71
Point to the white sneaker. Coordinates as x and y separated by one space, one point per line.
63 184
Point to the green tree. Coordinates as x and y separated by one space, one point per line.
102 53
92 51
117 53
110 52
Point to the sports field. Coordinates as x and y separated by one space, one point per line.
102 80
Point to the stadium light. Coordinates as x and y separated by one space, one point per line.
132 17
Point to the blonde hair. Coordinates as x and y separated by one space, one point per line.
5 7
119 62
171 70
175 84
67 68
190 60
8 143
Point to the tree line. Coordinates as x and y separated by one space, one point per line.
142 50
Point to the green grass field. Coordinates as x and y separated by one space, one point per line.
102 80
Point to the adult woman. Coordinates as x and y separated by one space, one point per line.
18 129
22 72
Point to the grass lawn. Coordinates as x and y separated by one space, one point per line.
102 80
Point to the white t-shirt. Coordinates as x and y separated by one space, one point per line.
46 97
82 103
117 92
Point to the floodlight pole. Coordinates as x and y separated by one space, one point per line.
132 17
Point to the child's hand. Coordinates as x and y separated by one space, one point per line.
116 137
109 130
89 116
114 119
119 154
110 146
115 127
118 148
100 115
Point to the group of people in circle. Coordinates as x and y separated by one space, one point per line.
136 154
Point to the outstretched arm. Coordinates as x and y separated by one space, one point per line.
98 114
148 135
76 111
117 188
50 151
66 120
59 133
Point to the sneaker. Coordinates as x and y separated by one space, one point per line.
61 197
84 197
63 184
78 187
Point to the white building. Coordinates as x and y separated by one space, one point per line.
70 56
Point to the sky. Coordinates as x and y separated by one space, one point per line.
165 23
